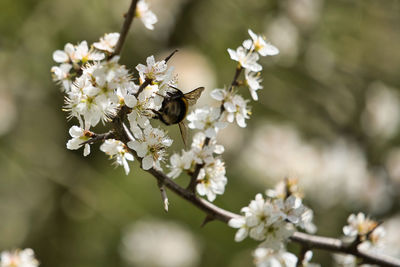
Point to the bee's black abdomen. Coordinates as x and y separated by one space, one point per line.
173 110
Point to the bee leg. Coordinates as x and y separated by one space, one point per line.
156 113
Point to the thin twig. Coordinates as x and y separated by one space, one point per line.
98 137
164 196
125 27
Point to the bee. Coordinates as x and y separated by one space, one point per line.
175 108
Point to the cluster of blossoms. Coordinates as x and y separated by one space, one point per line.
273 220
98 89
211 179
368 235
18 258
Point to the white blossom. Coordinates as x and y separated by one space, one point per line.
235 107
152 147
79 136
146 15
253 80
154 71
107 42
202 153
18 258
206 119
211 180
61 74
77 54
117 151
247 60
263 220
178 163
359 225
266 257
307 258
259 44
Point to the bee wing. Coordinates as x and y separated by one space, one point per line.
183 129
192 96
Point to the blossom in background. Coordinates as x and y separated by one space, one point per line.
152 148
235 107
18 258
146 15
117 151
207 120
307 258
362 226
247 60
160 244
266 257
259 44
79 136
107 42
211 180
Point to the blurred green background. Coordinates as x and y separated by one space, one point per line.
329 115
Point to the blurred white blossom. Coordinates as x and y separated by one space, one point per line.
246 59
382 113
266 257
146 15
107 42
18 258
160 244
259 44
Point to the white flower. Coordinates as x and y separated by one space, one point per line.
253 80
154 71
211 180
152 147
117 150
83 54
247 60
76 54
307 258
239 223
18 258
358 225
235 106
178 163
108 42
79 136
292 207
64 56
206 119
202 153
264 221
266 257
259 44
344 260
146 15
61 74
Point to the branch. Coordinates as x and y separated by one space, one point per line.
336 245
125 27
216 213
